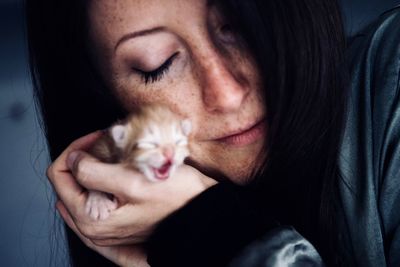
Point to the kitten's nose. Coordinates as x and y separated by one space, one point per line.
168 152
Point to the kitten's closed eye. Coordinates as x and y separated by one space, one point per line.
182 142
147 145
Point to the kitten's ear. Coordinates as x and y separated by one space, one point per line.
119 135
186 125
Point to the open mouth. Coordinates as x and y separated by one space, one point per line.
162 173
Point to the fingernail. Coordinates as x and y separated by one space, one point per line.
71 159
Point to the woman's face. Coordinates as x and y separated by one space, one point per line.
182 53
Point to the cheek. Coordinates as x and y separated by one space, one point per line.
181 96
222 162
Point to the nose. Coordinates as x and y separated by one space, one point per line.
168 152
223 88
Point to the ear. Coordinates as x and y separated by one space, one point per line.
186 126
119 135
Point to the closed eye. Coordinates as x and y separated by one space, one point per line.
147 145
158 73
182 142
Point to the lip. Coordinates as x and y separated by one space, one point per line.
245 137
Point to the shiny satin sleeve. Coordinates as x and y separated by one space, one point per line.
370 153
282 246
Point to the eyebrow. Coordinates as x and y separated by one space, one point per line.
141 33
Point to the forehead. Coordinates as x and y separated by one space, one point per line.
111 19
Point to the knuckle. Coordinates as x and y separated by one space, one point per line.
130 192
90 231
97 230
130 188
79 164
83 170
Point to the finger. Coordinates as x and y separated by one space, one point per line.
88 240
58 172
69 191
103 233
88 232
83 143
64 213
122 255
64 183
96 175
71 224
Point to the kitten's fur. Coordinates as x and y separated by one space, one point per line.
152 140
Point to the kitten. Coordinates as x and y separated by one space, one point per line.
152 140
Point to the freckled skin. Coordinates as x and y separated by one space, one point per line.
213 80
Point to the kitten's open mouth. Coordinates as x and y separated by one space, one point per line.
162 173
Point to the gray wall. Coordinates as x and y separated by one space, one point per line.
27 233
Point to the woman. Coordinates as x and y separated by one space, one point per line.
263 84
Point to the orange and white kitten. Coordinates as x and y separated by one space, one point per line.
152 140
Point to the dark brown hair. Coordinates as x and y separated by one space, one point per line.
299 47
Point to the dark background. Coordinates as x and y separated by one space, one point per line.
28 236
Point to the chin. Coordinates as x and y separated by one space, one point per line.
239 176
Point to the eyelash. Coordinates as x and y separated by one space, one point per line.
157 74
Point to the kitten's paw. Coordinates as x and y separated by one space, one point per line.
99 205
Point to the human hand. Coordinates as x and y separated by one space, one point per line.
143 204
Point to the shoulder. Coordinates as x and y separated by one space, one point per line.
370 150
282 246
375 52
373 103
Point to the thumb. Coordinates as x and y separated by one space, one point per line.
96 175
